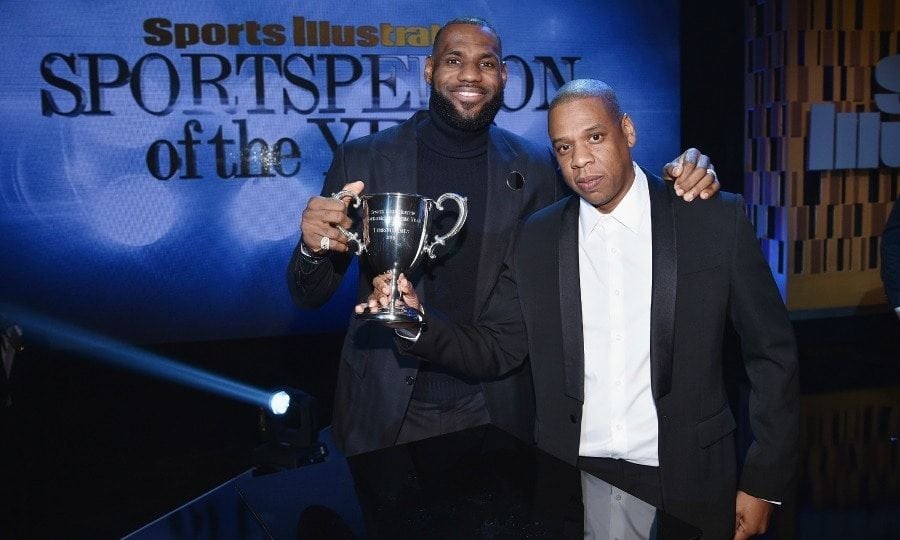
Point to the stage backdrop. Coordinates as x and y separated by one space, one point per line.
155 156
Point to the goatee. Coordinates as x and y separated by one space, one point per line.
448 113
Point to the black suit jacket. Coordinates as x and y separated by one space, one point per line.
374 381
707 268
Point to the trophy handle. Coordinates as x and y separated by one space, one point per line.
350 235
440 240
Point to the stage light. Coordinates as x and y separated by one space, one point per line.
280 402
290 432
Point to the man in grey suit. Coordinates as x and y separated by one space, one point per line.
603 292
384 398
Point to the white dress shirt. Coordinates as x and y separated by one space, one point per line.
615 266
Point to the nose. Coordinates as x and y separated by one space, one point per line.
469 72
581 156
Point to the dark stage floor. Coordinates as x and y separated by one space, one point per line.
92 451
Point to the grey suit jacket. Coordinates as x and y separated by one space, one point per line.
374 381
707 269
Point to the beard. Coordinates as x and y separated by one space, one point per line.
448 113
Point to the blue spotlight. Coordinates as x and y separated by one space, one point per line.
129 357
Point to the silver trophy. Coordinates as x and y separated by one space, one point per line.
394 238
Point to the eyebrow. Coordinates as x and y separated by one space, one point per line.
457 52
595 127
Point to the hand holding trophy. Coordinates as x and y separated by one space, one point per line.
394 239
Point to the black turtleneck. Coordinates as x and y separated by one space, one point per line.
451 160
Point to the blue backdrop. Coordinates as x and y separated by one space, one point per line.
155 156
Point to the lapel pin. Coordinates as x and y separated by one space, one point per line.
515 181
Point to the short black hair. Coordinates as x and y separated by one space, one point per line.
474 21
588 88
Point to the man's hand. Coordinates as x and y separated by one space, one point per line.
320 218
381 295
751 516
693 174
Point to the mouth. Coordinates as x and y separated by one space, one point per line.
589 183
468 94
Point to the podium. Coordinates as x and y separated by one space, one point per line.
477 483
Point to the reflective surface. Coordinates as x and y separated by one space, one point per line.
479 483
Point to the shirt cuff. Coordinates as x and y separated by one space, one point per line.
897 311
407 334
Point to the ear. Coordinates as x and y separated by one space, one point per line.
429 69
629 130
503 73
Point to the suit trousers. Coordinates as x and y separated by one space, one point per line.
642 481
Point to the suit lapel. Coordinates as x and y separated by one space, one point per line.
502 206
570 300
665 281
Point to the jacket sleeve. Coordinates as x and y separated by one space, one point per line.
495 345
770 359
313 282
890 257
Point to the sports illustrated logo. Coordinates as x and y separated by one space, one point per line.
856 140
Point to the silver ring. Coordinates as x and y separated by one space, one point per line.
710 171
325 243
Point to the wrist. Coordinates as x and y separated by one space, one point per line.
316 256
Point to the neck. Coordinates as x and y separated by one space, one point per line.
449 140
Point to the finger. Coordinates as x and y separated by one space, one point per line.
688 164
320 221
690 181
713 186
328 216
690 157
672 169
325 203
359 308
703 187
313 238
403 285
378 282
356 187
384 284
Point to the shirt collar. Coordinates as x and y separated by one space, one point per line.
629 212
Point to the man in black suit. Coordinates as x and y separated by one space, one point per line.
384 398
890 258
620 296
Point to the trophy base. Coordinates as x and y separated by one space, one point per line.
398 315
